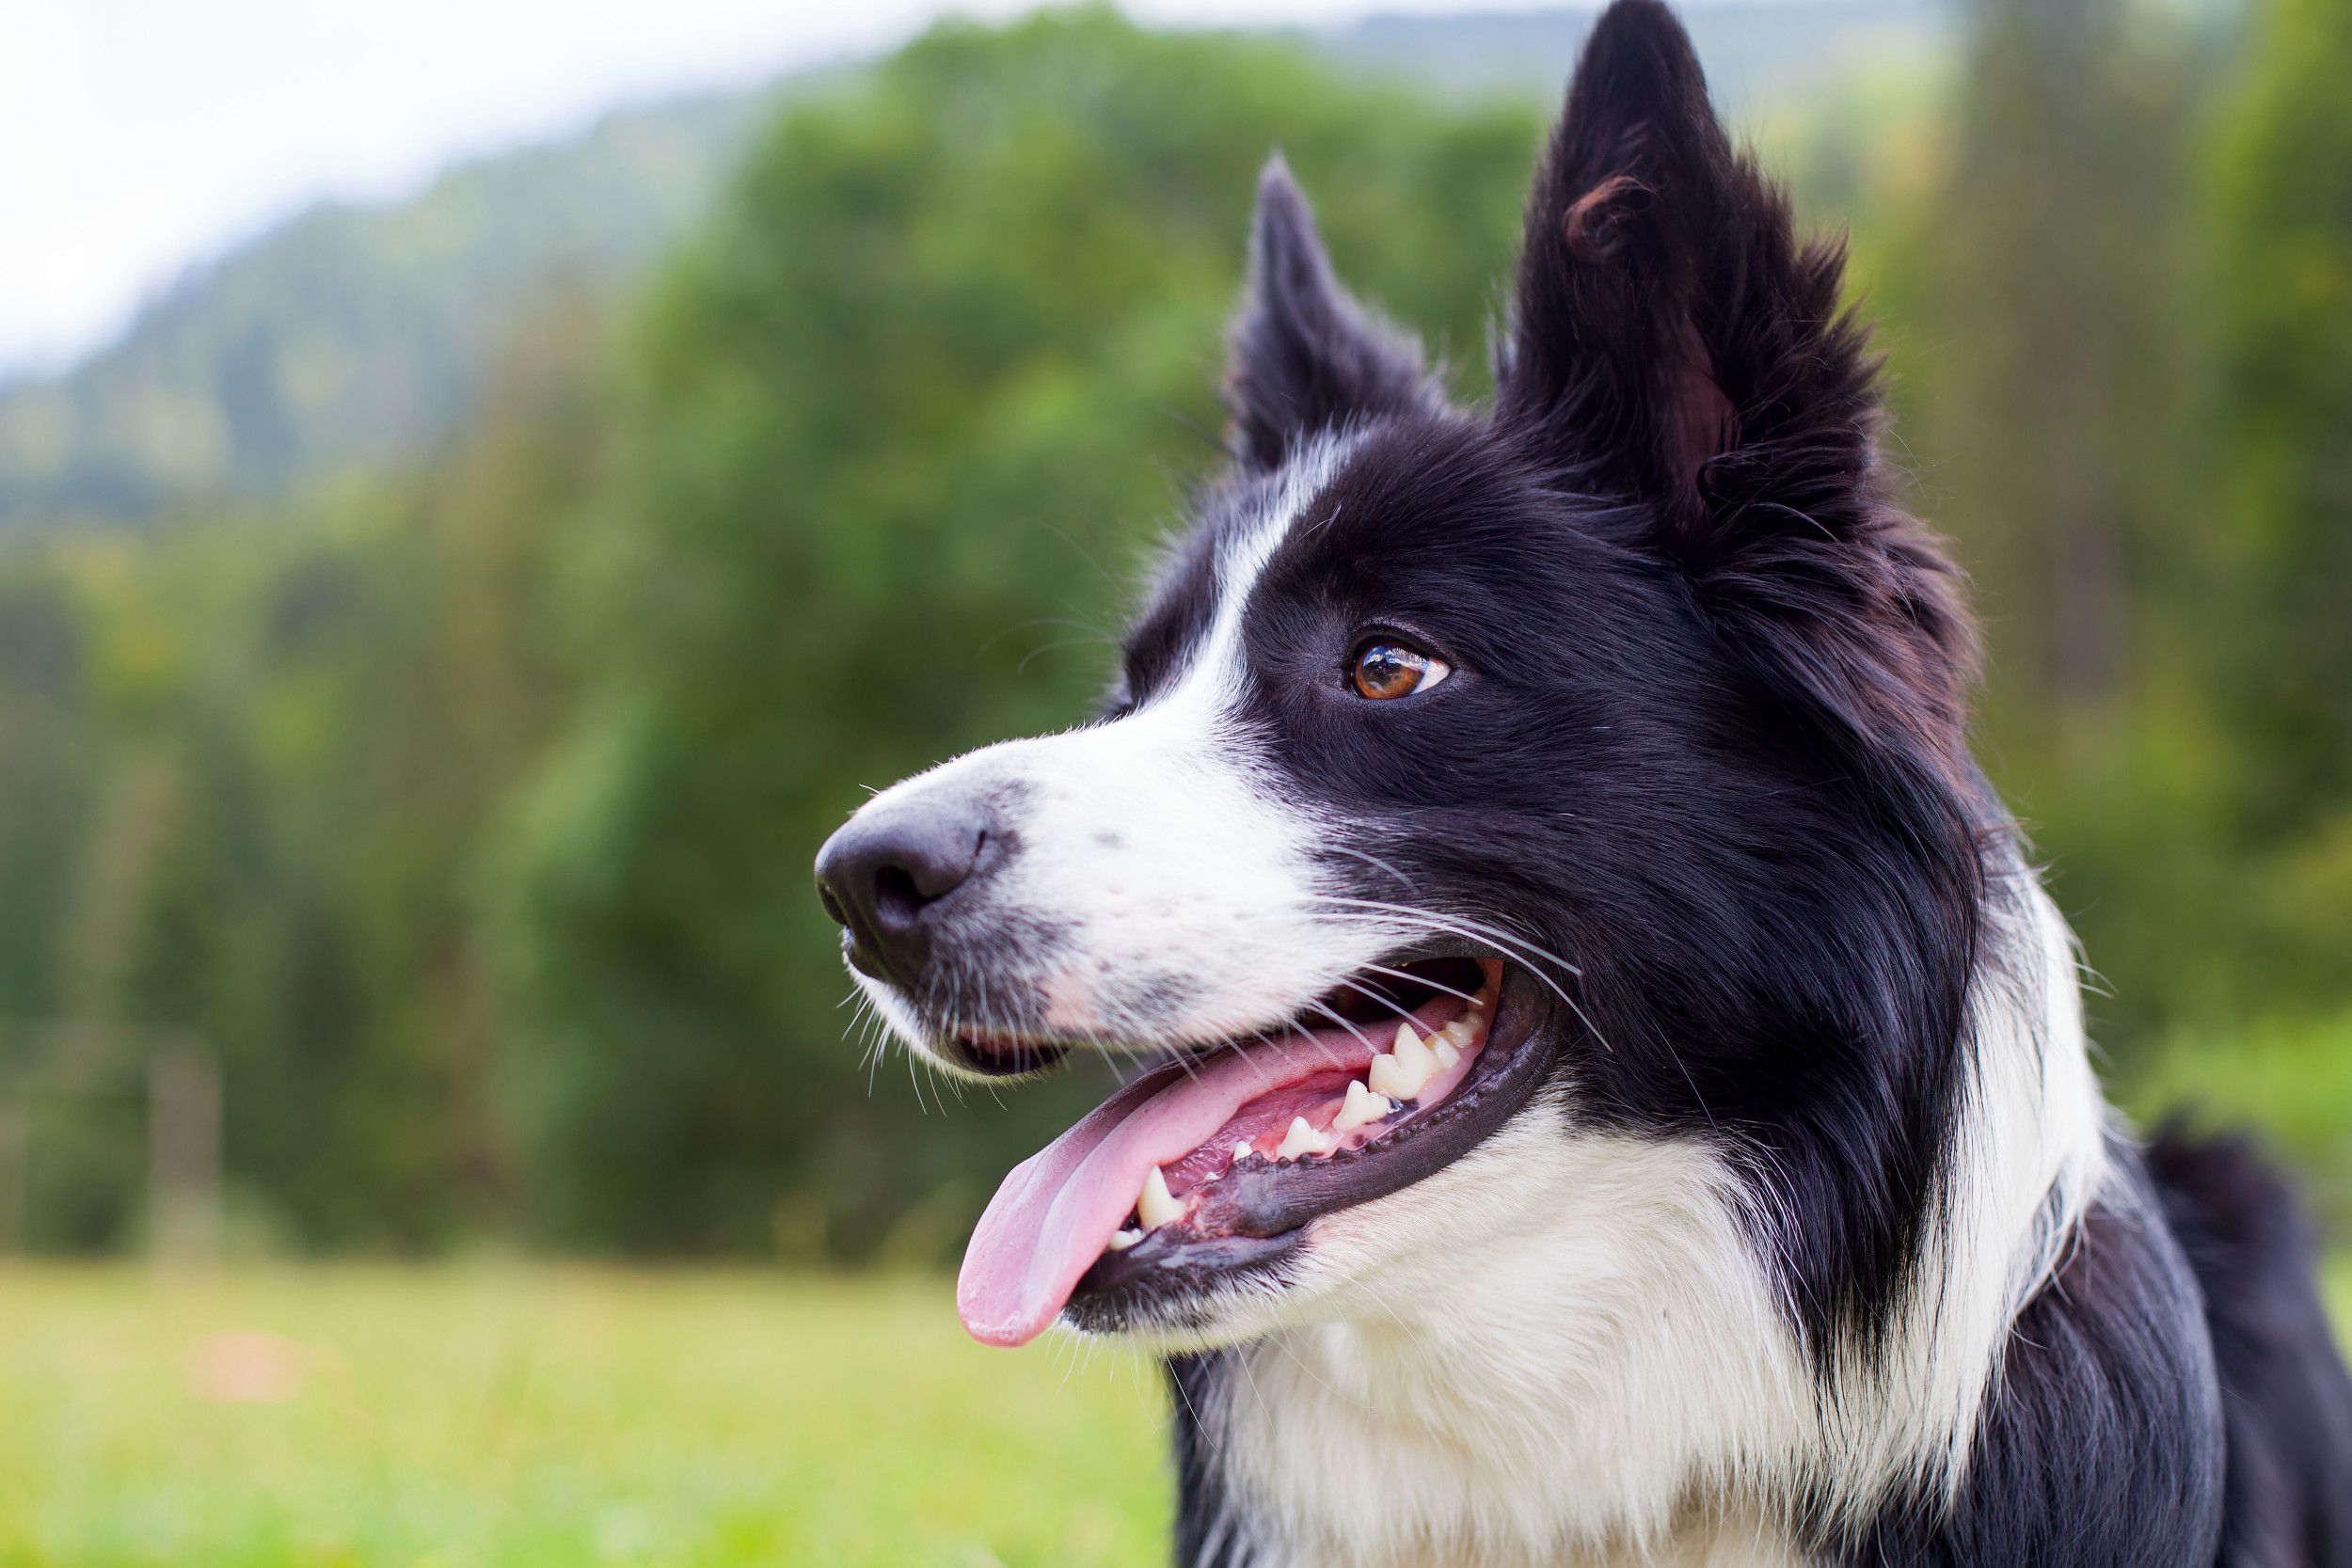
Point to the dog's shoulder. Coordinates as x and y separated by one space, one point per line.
2103 1442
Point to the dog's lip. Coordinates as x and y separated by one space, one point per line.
1047 1226
1002 1051
1001 1054
1254 1220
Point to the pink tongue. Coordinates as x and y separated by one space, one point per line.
1056 1212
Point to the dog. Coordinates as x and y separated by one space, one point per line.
1620 1091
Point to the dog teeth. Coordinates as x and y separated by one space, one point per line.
1155 1206
1304 1140
1388 1078
1122 1240
1415 1057
1448 1055
1361 1108
1401 1073
1242 1152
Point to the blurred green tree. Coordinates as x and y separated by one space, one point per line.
2126 346
2047 343
907 418
2278 639
250 761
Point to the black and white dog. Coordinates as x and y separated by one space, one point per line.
1622 1093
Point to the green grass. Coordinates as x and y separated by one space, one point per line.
444 1418
455 1417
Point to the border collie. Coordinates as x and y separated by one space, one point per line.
1620 1091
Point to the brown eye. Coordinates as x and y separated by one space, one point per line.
1386 670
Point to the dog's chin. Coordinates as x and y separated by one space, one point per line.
1220 1243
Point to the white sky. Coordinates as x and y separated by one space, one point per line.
140 135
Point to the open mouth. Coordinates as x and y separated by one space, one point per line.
1209 1166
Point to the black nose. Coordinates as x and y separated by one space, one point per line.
882 874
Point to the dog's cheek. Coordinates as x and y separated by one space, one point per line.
1173 927
1402 1253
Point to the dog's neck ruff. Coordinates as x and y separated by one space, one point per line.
1604 1374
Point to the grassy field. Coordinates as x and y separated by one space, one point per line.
455 1417
452 1416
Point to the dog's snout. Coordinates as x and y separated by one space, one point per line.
882 875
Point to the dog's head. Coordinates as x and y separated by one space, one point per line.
1592 765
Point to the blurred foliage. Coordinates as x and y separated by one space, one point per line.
250 764
2289 1076
354 337
466 805
351 337
907 417
2125 347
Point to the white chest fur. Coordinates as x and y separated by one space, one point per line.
1564 1384
1564 1349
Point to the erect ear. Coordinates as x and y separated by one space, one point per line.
1302 355
1662 307
1671 345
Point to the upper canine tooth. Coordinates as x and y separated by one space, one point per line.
1419 1062
1154 1207
1387 1076
1361 1107
1303 1139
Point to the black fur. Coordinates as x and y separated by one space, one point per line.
1702 755
1728 701
2105 1443
1709 738
2287 1402
1304 357
1210 1531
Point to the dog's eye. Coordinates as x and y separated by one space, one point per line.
1386 670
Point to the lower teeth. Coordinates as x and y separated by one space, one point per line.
1394 1077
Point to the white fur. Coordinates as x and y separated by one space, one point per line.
2029 1158
1559 1347
1563 1348
1162 848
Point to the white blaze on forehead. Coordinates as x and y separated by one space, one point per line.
1240 559
1163 858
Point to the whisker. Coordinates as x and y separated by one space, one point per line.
1390 1003
1519 946
1333 1015
1023 667
1419 980
1370 860
1094 633
1439 923
1461 925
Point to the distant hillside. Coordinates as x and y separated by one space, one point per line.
352 335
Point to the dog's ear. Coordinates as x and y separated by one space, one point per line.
1672 346
1642 231
1302 356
